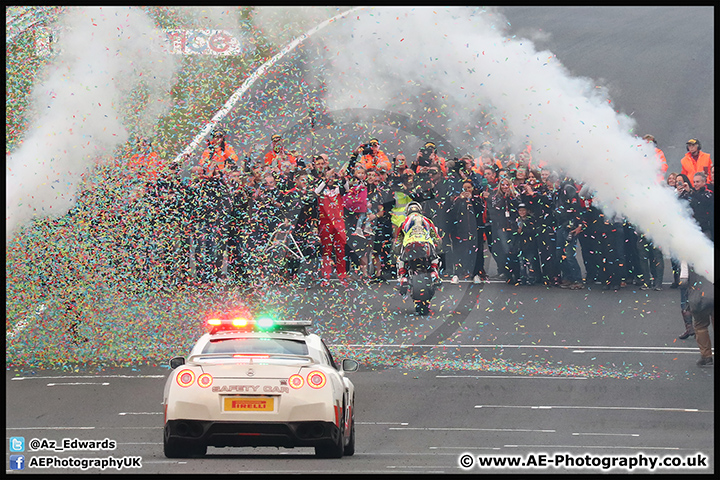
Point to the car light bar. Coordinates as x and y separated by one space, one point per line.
263 323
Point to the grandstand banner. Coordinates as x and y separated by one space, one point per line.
204 42
180 42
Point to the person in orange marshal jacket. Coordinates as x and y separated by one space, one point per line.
695 160
219 155
376 158
278 157
659 155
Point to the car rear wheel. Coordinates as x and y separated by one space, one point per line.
334 449
350 447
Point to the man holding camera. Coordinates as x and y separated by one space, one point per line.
278 157
426 157
373 157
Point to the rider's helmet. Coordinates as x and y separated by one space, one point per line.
413 207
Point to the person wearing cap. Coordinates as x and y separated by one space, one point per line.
695 160
219 155
426 157
278 157
659 155
376 158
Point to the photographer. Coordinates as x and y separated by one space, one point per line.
426 157
373 157
278 158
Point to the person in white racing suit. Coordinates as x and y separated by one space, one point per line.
421 232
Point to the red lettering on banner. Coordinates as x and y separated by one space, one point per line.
223 39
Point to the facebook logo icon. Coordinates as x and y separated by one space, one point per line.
17 462
17 444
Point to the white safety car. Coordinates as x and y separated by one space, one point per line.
259 382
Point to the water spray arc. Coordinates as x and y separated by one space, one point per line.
230 104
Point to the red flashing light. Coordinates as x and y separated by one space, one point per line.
251 355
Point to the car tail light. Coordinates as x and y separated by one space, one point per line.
205 380
185 378
296 381
316 379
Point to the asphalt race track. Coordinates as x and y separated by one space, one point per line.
496 371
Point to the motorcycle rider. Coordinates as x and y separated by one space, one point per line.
419 231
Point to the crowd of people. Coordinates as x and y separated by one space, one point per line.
531 218
281 218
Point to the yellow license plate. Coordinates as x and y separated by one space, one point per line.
248 404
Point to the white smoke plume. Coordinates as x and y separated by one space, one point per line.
387 58
80 106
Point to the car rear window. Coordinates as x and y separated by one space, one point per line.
257 345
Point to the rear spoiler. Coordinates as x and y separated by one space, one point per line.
252 357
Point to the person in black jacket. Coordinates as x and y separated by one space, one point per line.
544 211
524 264
210 204
238 217
570 224
702 203
466 210
301 213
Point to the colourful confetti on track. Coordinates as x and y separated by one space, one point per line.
130 310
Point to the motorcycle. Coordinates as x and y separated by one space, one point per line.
420 288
